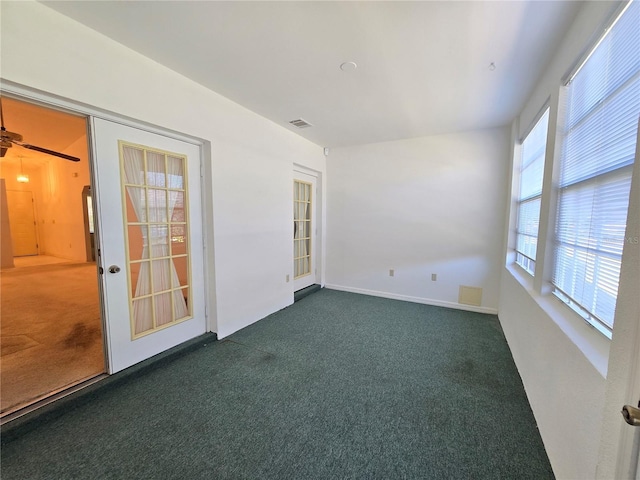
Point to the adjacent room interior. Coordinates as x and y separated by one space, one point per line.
51 323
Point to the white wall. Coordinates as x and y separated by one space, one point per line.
252 158
6 247
562 361
418 206
57 197
565 390
59 204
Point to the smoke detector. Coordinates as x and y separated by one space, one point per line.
348 66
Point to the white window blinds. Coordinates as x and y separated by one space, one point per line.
531 173
603 105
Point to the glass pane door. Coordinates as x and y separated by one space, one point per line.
158 264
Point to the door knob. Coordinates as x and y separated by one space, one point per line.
114 269
631 415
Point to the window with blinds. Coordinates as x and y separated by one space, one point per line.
531 173
598 149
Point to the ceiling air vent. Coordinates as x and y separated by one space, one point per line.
300 123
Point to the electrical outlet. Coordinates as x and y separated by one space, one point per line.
434 277
392 272
287 278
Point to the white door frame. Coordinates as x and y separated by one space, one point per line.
38 97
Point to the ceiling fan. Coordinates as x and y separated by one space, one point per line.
8 139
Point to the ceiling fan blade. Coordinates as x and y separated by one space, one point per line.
3 151
47 151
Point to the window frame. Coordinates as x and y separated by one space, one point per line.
584 312
545 111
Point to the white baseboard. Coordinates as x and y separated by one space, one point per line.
407 298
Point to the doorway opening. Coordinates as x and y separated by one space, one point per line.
51 331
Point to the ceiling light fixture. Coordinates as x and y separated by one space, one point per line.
348 66
492 66
22 177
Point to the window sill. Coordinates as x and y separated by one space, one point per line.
592 343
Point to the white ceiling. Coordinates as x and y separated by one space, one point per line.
423 67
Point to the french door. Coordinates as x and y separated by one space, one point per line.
150 237
304 230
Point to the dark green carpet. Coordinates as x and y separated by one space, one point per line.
336 386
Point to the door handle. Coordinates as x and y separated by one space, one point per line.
114 269
631 415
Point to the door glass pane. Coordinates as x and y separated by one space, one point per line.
133 165
163 309
181 304
175 170
156 224
136 204
161 275
143 315
156 170
134 271
181 271
157 205
176 205
178 240
138 235
159 240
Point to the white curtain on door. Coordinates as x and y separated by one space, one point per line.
133 161
157 237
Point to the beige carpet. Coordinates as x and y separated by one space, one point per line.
51 333
38 260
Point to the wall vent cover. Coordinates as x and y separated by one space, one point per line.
300 123
470 295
